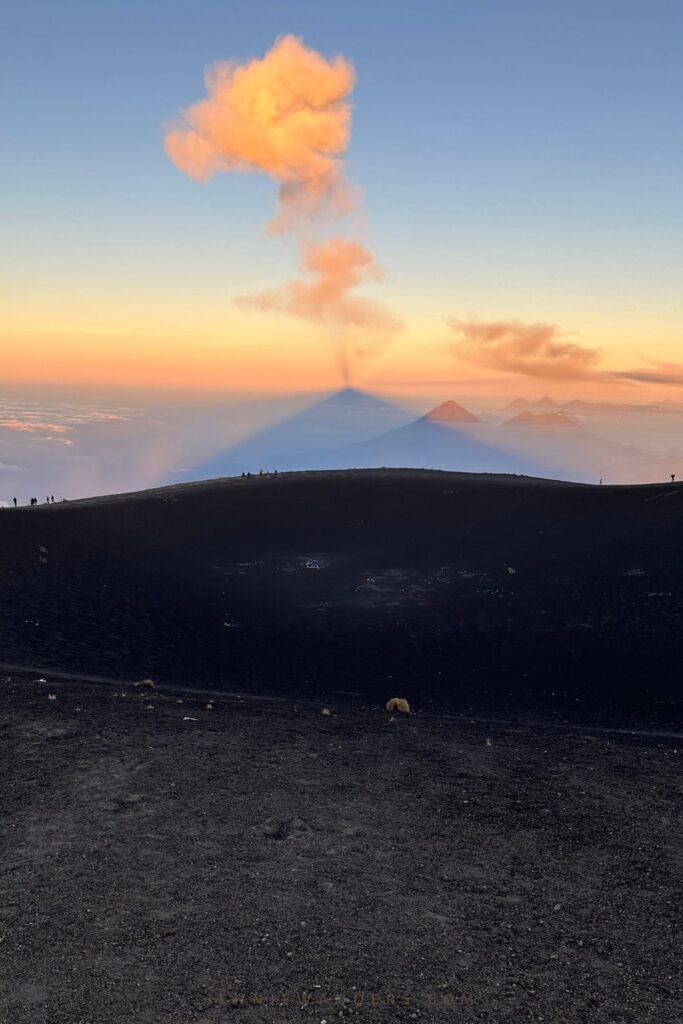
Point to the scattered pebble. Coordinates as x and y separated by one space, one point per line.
52 696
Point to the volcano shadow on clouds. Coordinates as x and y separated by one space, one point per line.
304 440
354 430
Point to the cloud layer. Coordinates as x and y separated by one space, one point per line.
657 373
534 350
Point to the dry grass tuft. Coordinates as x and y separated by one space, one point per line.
398 704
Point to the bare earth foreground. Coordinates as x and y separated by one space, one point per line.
166 861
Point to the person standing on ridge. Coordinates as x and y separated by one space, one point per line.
15 502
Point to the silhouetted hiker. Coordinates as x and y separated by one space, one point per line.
260 472
249 475
673 477
52 499
243 474
15 502
600 479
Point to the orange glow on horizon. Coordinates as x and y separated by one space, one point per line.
281 356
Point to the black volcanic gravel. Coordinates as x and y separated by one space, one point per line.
177 863
530 592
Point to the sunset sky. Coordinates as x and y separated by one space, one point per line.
515 171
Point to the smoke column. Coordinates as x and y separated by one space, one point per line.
288 115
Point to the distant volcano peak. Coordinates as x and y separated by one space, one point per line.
451 412
543 419
540 403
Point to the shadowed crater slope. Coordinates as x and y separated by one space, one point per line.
374 582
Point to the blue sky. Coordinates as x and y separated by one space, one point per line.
517 158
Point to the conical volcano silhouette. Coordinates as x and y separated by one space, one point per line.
438 442
451 412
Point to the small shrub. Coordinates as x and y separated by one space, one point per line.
398 704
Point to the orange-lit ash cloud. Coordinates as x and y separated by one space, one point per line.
335 267
287 115
534 350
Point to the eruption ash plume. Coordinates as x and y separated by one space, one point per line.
335 267
288 115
